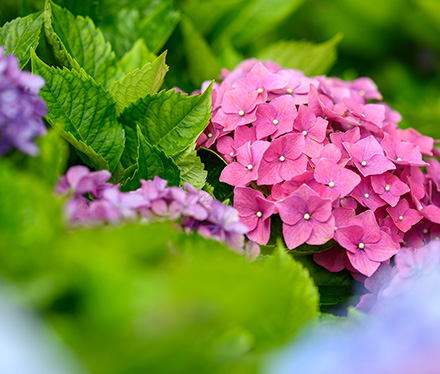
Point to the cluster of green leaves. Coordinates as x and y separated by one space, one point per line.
136 298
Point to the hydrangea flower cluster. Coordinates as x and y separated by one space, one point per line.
326 156
94 201
21 109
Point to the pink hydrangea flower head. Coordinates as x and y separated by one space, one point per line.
389 187
403 216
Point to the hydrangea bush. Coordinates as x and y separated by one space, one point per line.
327 157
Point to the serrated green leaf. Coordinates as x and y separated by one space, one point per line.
202 65
169 120
191 168
135 58
83 112
139 83
78 43
252 20
52 159
20 35
311 58
214 164
151 161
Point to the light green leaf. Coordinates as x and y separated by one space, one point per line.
135 58
191 167
83 112
252 20
139 83
20 35
78 43
151 161
202 65
169 120
312 59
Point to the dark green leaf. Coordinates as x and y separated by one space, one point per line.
151 161
20 35
83 112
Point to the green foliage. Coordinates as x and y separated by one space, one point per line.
169 120
139 83
152 161
191 167
20 35
135 58
83 112
312 59
202 65
78 43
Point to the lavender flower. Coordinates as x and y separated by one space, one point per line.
93 201
21 109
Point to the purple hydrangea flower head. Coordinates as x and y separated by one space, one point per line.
21 109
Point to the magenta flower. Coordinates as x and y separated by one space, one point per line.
255 212
312 128
370 116
366 244
238 109
366 196
275 118
389 187
307 218
425 143
404 217
368 157
245 170
337 181
297 86
402 153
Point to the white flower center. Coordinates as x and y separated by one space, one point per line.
289 91
304 132
366 195
231 154
250 167
361 245
331 184
260 90
400 218
241 113
307 216
398 159
209 135
364 163
259 214
387 187
282 158
275 122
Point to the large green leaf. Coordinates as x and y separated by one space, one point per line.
312 59
252 20
139 83
20 35
78 43
83 112
135 58
151 161
202 65
169 120
191 168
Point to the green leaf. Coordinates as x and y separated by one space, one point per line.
151 161
214 164
83 112
333 287
312 59
20 35
135 58
78 43
169 120
202 65
139 83
52 160
252 20
157 27
191 167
